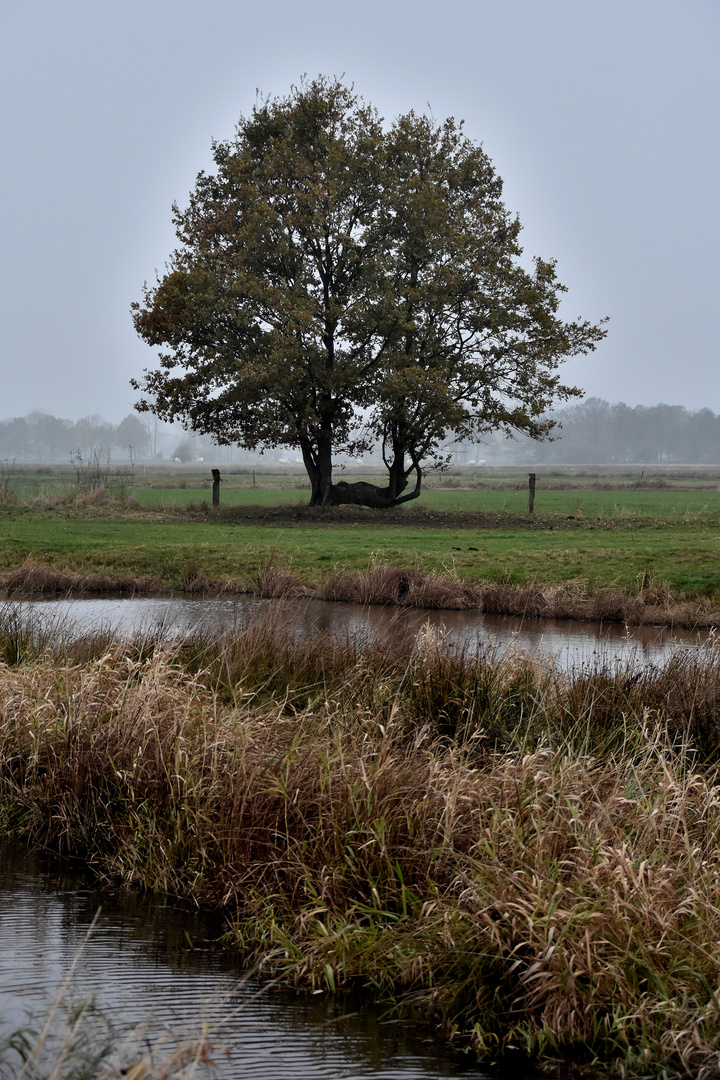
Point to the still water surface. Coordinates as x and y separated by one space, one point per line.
148 958
572 643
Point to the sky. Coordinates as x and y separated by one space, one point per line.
601 116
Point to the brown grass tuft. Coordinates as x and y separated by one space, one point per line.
381 585
274 584
35 579
528 601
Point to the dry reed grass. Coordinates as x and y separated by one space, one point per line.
77 1041
96 496
195 583
406 588
389 586
414 588
35 579
274 584
529 857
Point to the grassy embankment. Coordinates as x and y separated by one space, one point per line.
655 538
529 858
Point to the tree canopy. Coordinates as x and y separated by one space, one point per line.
339 284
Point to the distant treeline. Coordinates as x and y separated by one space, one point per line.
592 432
41 437
595 432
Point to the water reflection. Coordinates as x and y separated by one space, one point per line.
574 644
146 957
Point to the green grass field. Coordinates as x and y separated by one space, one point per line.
580 503
603 537
590 490
684 557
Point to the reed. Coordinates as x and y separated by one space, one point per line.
572 600
527 856
36 579
384 585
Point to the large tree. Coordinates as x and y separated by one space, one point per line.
338 284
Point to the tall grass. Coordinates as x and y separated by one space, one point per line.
36 579
414 588
527 856
386 585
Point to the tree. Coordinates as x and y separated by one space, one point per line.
52 438
131 435
92 437
338 284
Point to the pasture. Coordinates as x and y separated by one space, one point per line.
600 528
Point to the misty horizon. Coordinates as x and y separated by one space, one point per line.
589 432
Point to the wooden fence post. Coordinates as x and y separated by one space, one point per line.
216 486
531 493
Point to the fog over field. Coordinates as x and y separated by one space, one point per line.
590 432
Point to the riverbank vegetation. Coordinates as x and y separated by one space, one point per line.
647 604
526 857
387 586
649 543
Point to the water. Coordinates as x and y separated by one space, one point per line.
148 960
573 644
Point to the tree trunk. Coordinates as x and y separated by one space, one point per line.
317 458
318 465
397 479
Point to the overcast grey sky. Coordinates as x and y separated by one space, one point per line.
600 115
